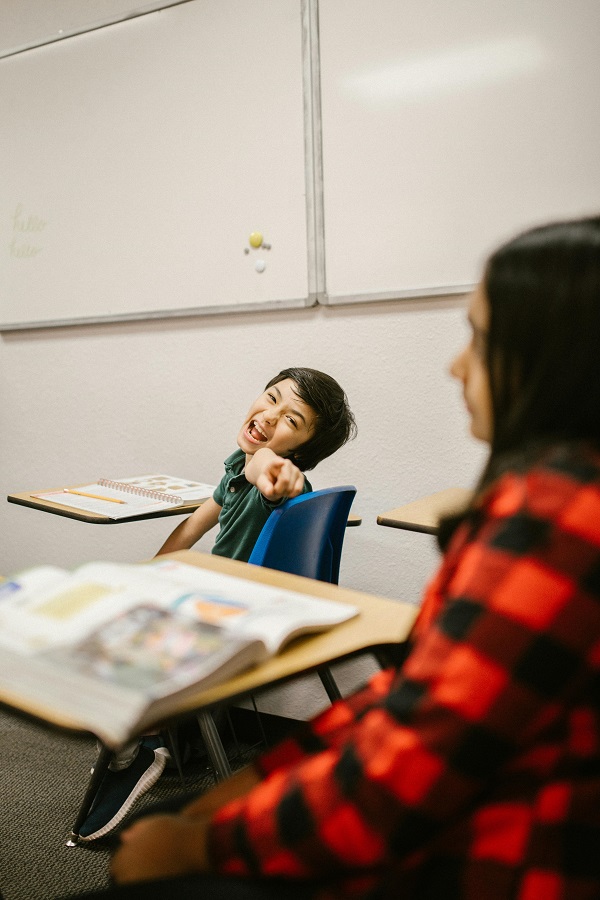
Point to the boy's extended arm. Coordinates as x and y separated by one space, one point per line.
274 476
193 528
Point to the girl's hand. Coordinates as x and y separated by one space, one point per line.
162 846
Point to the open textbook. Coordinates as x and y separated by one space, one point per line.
111 646
128 497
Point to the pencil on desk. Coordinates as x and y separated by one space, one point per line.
93 496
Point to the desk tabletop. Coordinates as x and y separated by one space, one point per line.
380 622
28 498
425 513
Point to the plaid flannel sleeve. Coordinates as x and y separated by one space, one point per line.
380 774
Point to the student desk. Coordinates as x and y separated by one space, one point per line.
27 498
380 623
424 514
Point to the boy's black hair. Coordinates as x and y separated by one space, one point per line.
334 424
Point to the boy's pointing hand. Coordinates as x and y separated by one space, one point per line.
274 476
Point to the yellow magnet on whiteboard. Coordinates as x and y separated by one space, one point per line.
256 239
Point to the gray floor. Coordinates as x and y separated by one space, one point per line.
43 774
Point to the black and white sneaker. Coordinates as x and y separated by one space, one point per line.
119 790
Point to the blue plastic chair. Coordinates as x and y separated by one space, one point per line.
303 536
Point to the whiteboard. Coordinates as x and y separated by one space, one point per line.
446 127
139 158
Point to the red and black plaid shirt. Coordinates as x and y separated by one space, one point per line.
474 772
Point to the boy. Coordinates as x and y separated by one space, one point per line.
301 417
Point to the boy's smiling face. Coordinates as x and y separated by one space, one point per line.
278 419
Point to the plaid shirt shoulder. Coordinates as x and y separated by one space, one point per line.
475 771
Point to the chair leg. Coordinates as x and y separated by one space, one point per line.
333 691
215 748
173 746
259 720
100 768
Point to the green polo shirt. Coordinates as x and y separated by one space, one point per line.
244 510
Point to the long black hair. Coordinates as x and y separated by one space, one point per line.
543 344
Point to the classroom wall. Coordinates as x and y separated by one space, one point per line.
130 398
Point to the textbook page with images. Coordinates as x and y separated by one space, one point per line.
126 497
112 646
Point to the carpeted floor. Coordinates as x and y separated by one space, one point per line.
43 774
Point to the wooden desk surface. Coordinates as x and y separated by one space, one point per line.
27 498
380 622
424 514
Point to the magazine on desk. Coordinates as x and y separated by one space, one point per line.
113 647
127 497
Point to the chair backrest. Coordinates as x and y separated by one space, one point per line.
304 536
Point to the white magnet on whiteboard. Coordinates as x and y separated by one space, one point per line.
260 265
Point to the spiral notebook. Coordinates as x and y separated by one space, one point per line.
126 497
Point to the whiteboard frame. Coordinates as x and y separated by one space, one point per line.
63 34
408 294
313 143
157 314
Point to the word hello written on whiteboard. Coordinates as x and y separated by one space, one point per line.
25 230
